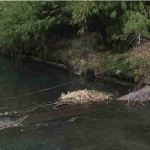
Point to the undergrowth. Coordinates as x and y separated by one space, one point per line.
84 54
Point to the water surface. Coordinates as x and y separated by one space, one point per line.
106 129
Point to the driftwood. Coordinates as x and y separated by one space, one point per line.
68 121
48 62
139 95
49 106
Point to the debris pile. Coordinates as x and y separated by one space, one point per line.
85 96
72 98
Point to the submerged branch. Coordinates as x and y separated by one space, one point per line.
13 123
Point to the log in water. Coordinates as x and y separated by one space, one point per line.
136 95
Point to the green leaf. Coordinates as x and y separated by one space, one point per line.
113 14
123 5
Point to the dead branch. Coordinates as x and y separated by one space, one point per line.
13 123
72 98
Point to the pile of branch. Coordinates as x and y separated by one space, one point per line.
84 96
69 99
49 106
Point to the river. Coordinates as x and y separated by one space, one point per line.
105 129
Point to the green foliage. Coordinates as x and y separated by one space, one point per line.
113 15
25 26
136 22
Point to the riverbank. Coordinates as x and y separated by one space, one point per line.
84 56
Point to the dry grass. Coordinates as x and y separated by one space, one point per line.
85 96
81 56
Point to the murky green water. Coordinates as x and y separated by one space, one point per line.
106 129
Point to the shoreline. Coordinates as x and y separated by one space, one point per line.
68 68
